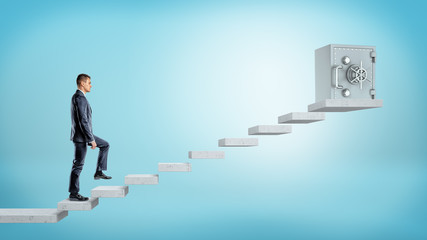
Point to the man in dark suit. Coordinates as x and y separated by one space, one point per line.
82 136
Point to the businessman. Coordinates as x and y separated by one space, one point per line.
82 136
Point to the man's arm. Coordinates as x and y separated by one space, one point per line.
81 105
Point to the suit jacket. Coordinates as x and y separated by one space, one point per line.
81 119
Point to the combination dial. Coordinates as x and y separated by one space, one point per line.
357 74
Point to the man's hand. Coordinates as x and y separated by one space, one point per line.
93 143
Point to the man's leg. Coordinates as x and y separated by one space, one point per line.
104 146
78 162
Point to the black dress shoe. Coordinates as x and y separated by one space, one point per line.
77 197
101 175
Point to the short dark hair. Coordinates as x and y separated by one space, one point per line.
81 77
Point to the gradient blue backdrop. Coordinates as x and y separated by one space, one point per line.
169 77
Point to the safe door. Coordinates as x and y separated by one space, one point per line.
353 73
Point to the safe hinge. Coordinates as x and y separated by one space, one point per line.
373 56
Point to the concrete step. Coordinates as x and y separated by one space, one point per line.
78 205
174 167
344 105
110 191
27 215
206 154
142 179
238 142
302 117
270 130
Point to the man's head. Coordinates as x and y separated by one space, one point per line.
83 82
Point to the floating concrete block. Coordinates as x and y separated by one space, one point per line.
26 215
142 179
270 130
110 191
206 154
302 117
344 105
78 205
238 142
174 167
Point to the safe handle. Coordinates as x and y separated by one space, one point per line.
336 68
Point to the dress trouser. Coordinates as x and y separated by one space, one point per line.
80 149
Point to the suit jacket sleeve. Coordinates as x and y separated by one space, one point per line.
82 106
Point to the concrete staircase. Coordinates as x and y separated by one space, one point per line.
316 112
174 167
206 154
302 117
270 130
67 205
39 215
238 142
142 179
110 191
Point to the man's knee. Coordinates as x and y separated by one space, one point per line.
77 169
77 165
105 145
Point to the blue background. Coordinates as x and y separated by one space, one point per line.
170 77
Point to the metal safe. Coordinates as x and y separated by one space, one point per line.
345 72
